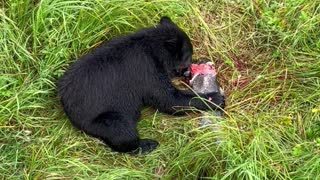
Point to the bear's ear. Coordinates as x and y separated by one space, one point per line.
166 21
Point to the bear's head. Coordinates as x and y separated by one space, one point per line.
178 44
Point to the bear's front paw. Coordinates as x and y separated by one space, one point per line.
216 99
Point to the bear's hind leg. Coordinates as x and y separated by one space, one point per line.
120 133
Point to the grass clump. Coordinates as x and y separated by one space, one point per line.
267 55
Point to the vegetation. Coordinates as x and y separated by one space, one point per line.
268 57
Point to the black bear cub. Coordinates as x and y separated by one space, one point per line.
103 92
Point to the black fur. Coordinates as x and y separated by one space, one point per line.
102 93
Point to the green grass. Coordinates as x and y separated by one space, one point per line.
268 57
